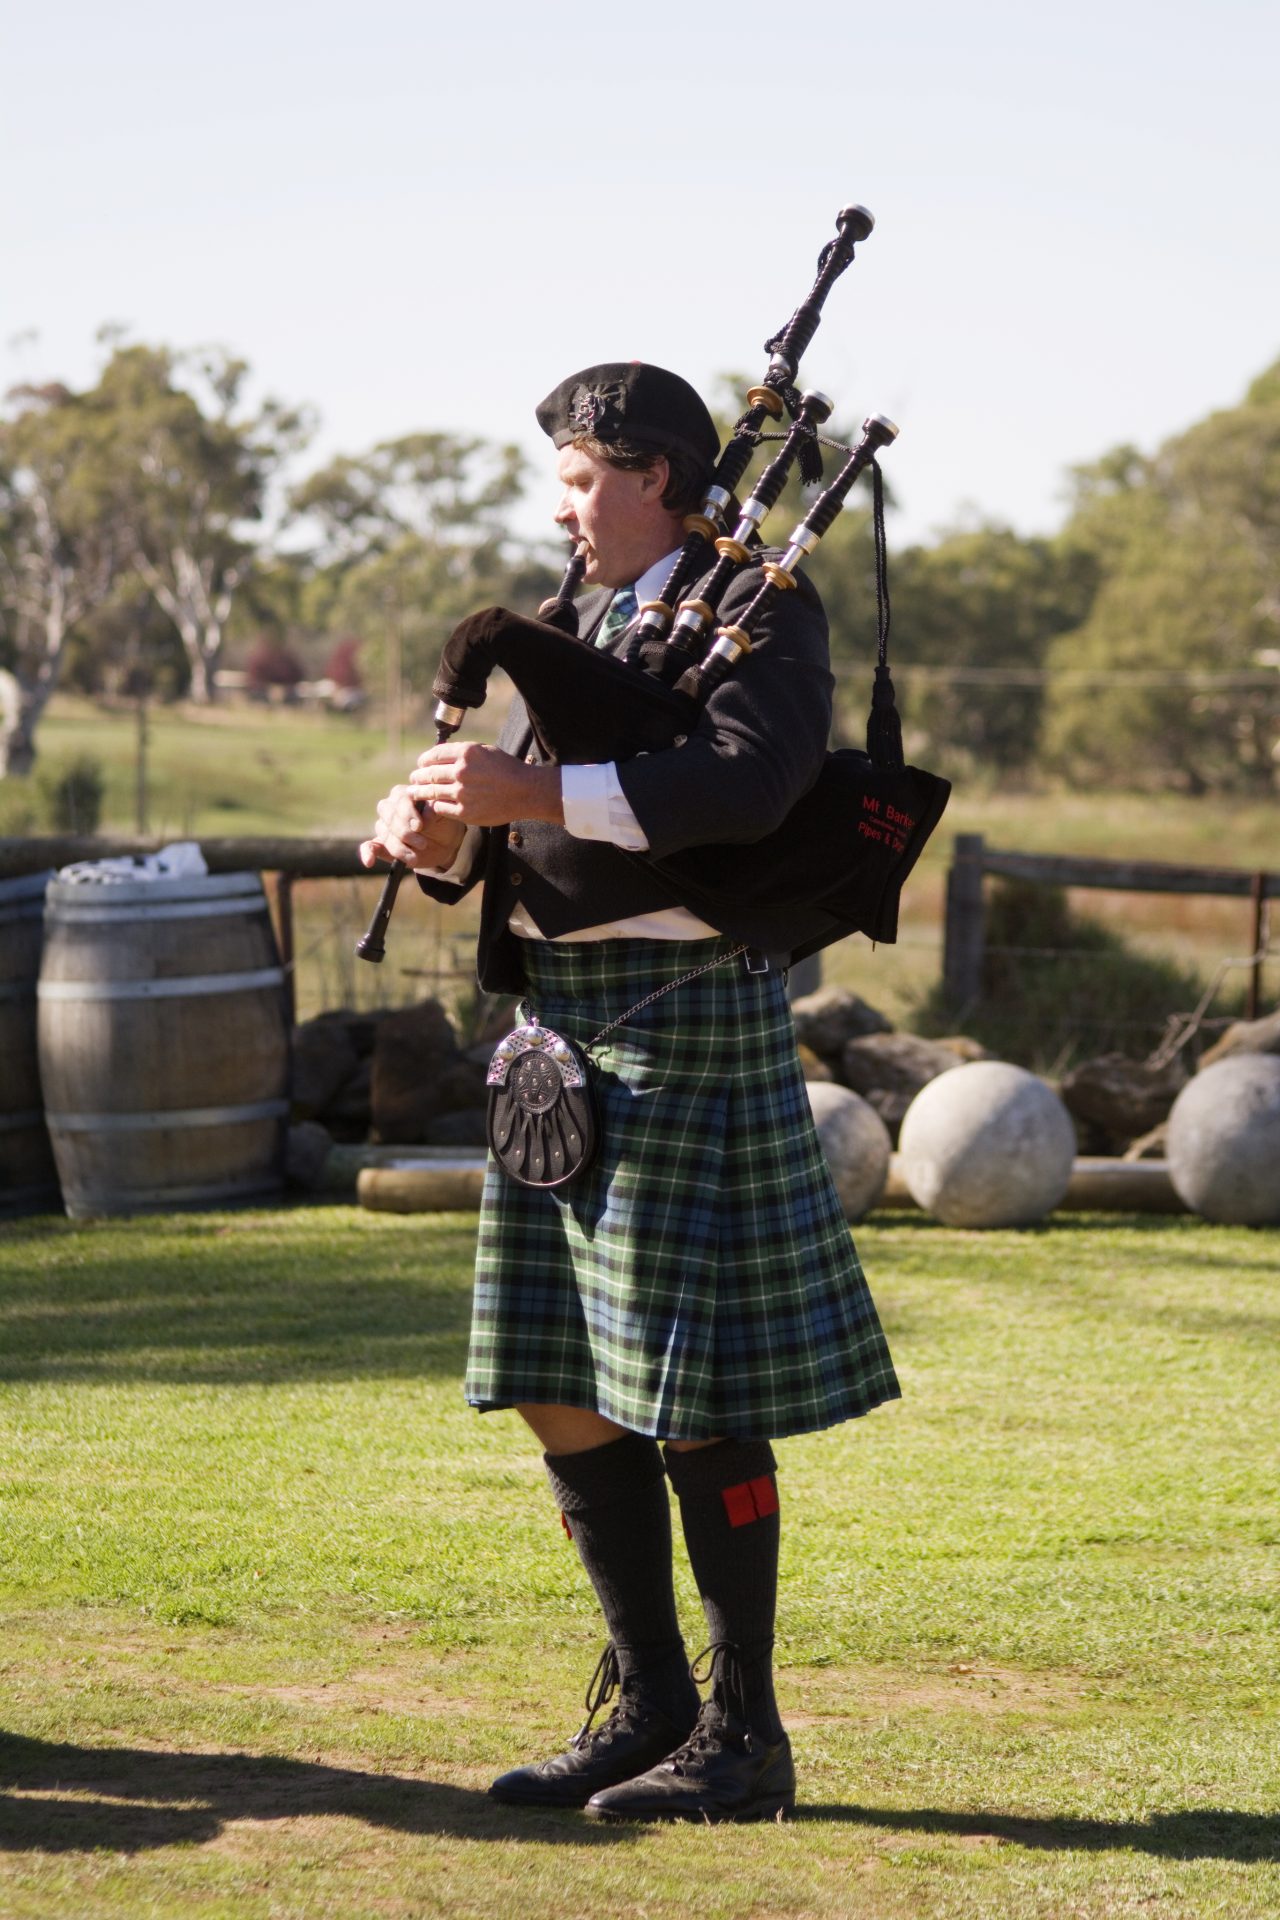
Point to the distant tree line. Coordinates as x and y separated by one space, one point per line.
149 524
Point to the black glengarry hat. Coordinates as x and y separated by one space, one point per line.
628 400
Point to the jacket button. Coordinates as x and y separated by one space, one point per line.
516 879
531 759
515 838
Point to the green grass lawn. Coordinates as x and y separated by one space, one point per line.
278 1605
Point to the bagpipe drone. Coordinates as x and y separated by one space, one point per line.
838 862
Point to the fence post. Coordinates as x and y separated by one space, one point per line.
964 937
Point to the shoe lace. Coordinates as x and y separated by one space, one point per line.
601 1687
718 1724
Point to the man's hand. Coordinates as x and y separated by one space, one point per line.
464 780
403 831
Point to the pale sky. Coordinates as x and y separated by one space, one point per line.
417 219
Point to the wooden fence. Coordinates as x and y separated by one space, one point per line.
287 859
964 937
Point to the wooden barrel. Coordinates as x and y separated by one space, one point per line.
164 1044
28 1177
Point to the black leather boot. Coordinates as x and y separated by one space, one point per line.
653 1715
724 1771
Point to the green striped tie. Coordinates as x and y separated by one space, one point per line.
621 612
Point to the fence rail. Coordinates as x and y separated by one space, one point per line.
289 859
972 860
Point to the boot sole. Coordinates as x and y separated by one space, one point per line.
770 1808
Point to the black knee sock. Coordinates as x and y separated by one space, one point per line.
729 1506
615 1506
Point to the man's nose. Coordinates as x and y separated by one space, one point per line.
564 512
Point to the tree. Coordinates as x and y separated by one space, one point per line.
412 536
60 542
973 619
191 473
1187 615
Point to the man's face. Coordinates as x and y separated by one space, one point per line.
619 514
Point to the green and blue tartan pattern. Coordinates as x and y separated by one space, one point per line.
700 1280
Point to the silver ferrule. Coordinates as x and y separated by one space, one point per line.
690 621
714 502
754 513
726 648
802 542
447 716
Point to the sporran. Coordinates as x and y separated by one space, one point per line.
544 1118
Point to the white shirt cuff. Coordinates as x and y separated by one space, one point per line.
595 807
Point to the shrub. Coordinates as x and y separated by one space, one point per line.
1058 987
72 797
271 663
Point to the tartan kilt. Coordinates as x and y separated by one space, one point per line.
699 1280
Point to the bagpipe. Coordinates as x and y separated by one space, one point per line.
837 863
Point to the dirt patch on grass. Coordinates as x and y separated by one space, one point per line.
960 1688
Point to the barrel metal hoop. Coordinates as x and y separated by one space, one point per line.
234 1187
97 911
183 989
16 1122
176 1117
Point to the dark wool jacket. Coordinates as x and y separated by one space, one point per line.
756 748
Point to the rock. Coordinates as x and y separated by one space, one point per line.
1121 1096
963 1047
307 1147
348 1113
464 1127
460 1085
1245 1036
1150 1146
987 1145
812 1067
889 1069
413 1049
361 1029
1224 1141
855 1141
323 1060
828 1019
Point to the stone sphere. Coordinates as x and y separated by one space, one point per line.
987 1145
856 1143
1224 1141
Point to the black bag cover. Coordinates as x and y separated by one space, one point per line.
837 863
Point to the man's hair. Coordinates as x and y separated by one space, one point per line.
687 479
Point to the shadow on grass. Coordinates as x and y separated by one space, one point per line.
1199 1833
219 1311
127 1800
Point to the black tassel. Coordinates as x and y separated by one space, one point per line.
884 729
810 461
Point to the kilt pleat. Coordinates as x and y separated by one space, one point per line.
700 1279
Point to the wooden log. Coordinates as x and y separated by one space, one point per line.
1097 1185
446 1184
315 859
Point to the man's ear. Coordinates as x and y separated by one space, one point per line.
654 480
